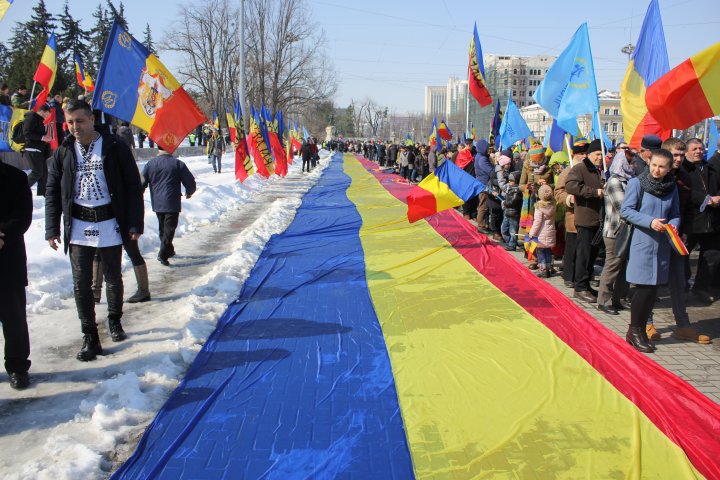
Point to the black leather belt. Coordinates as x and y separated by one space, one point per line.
90 214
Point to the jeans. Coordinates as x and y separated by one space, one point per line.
544 256
15 330
217 163
404 172
413 175
167 223
81 260
509 230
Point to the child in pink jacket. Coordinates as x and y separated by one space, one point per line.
543 228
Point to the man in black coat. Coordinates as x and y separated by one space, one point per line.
701 221
15 217
35 150
94 185
306 153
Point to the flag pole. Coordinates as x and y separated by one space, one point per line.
602 141
32 92
467 102
570 154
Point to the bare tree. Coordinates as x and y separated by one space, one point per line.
285 66
374 115
356 113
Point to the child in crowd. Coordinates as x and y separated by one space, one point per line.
543 228
511 211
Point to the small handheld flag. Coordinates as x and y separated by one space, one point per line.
675 240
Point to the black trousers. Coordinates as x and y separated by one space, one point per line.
133 251
306 165
568 272
15 330
81 262
642 305
39 171
585 254
167 223
708 269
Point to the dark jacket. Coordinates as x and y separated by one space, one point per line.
15 216
306 152
694 221
123 181
583 182
5 100
484 170
165 174
34 131
125 134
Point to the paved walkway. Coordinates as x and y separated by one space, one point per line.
697 364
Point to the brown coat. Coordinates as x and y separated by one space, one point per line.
529 177
561 196
583 182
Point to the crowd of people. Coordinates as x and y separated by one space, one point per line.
574 209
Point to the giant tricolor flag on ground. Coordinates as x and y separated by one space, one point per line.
4 5
45 73
363 346
134 86
648 62
447 187
689 93
569 89
243 162
476 72
82 77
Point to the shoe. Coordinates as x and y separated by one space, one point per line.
704 296
609 310
143 291
172 253
652 333
622 305
533 266
117 334
508 248
542 274
595 283
636 338
689 333
496 236
19 381
585 295
163 261
569 284
484 230
91 348
593 292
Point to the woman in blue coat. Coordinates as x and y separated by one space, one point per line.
649 261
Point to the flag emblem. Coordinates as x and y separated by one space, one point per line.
109 99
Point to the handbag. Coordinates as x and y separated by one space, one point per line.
623 238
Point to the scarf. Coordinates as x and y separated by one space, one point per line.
658 188
538 168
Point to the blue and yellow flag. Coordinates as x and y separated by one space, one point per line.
569 89
134 86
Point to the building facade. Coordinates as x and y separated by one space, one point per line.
436 100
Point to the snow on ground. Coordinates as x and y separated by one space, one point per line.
81 420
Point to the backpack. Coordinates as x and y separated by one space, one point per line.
17 136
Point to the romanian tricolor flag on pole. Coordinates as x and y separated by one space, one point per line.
447 187
134 86
46 71
476 72
4 5
258 147
689 92
83 79
444 131
649 61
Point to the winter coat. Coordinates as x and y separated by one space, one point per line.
650 251
501 177
392 153
16 209
483 168
164 174
513 201
694 221
432 159
543 226
123 182
34 131
528 176
306 152
560 197
614 196
583 182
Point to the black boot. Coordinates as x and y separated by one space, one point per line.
636 338
91 348
117 334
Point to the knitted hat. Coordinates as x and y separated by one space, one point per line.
560 158
580 146
545 192
536 154
595 146
651 142
503 160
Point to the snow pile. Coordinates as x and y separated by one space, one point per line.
82 420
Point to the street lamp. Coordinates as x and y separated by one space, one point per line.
628 50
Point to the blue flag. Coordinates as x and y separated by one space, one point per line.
306 135
569 87
597 131
5 124
513 127
712 139
557 137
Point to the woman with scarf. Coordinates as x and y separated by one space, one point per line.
651 201
535 172
613 286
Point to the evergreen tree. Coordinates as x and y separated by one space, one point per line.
42 23
148 41
117 14
72 40
98 38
